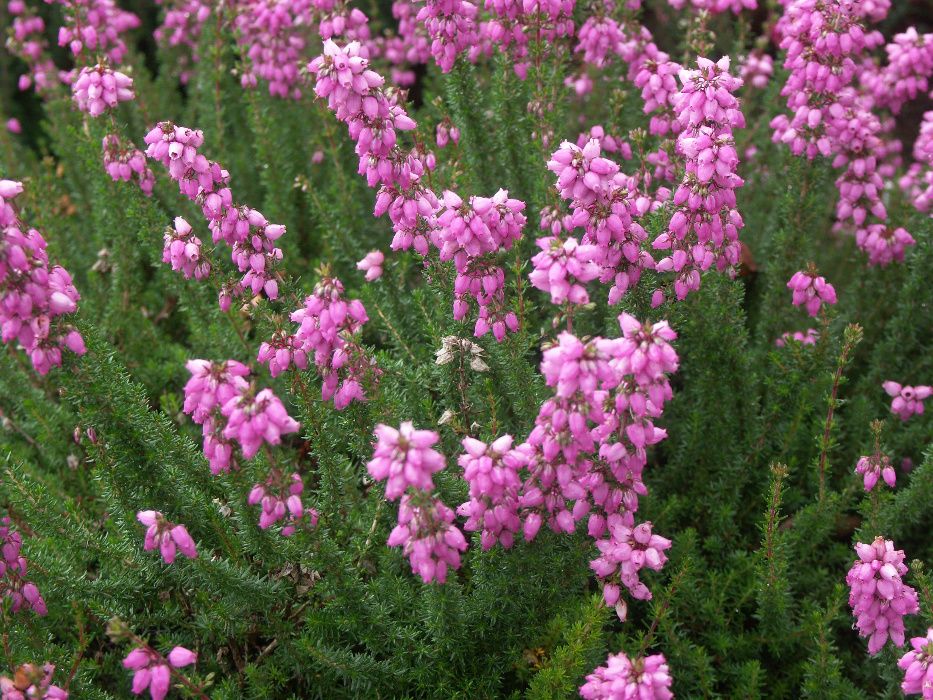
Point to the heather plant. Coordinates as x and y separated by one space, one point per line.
447 349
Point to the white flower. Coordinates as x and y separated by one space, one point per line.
452 346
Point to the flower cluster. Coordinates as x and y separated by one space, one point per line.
371 264
127 164
33 295
492 471
249 234
704 229
756 70
165 536
623 555
208 390
31 682
513 24
23 594
181 27
598 39
834 117
355 93
821 40
875 466
808 337
428 536
917 182
878 597
231 413
585 455
445 133
907 400
27 41
563 267
183 251
99 88
452 27
256 419
219 398
467 232
622 678
603 203
280 498
883 244
907 72
406 460
94 27
917 665
655 74
153 671
328 332
268 32
811 291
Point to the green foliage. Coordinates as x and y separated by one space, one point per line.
754 484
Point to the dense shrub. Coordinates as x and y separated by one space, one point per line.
578 348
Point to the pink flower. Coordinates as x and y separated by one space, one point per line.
757 69
808 337
492 473
907 73
183 251
561 266
621 678
280 499
251 237
166 536
127 164
328 331
274 37
212 384
33 294
917 665
100 88
179 657
256 419
427 535
704 228
883 244
372 265
907 400
13 583
447 132
153 671
404 458
811 291
13 126
97 31
587 451
622 556
878 597
874 467
31 682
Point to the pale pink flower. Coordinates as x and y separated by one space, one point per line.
907 400
371 264
404 458
878 597
166 536
917 665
